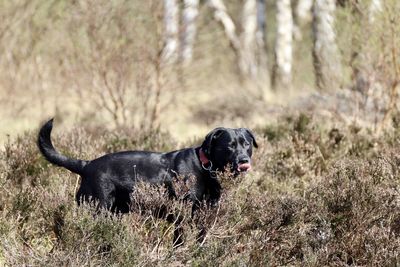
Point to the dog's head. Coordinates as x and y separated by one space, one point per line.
230 147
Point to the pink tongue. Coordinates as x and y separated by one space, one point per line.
244 167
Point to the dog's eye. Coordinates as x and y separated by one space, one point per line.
233 144
246 144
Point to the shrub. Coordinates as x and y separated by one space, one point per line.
319 195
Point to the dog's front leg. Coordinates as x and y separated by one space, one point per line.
197 197
214 193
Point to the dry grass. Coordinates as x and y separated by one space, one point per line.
317 196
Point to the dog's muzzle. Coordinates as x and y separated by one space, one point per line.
244 167
243 164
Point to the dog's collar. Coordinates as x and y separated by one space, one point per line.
206 164
203 158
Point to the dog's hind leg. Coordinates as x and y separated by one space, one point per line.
122 203
107 200
105 194
162 212
84 195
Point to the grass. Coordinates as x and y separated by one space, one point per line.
317 196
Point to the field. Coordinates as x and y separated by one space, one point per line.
317 196
325 185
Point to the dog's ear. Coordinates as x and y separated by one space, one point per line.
250 134
211 136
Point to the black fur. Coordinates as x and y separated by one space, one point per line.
110 179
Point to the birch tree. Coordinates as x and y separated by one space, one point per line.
249 45
247 60
171 26
325 52
365 76
359 37
189 15
221 15
261 44
261 24
282 73
374 8
242 46
303 11
301 16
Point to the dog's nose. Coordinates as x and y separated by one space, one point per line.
244 160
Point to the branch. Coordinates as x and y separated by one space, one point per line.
221 15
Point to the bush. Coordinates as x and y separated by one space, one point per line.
318 195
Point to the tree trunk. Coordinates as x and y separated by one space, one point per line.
261 45
301 16
261 25
250 47
375 7
282 73
247 59
221 15
358 60
303 11
326 59
171 38
190 13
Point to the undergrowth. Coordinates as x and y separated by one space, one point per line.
319 195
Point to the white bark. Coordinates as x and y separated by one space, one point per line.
171 38
247 61
375 7
221 15
261 48
249 47
303 11
325 52
190 13
283 46
302 15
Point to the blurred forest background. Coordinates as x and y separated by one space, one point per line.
186 66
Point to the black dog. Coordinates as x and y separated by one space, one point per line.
110 179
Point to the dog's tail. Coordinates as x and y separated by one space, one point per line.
49 152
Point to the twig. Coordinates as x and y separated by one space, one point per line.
214 223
